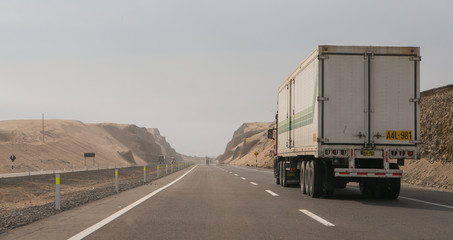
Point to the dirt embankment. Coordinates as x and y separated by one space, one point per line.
435 169
66 141
248 139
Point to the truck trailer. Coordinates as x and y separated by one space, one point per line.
348 114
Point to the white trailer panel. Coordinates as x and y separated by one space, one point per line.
351 96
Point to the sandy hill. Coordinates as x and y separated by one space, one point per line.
66 141
435 169
248 139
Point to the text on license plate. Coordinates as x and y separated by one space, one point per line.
398 135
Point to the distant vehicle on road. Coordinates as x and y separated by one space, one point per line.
349 114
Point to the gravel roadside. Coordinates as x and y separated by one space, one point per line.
28 199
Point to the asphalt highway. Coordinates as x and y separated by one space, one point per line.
226 202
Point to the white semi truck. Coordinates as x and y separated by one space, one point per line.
349 114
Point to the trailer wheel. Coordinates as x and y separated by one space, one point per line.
276 171
363 188
315 179
303 188
308 173
393 187
281 173
328 180
284 182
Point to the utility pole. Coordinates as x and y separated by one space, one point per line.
42 127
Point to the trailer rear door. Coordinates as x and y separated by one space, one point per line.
368 99
392 101
343 99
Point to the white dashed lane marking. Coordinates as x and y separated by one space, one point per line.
272 193
317 218
254 183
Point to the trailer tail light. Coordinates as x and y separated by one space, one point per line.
344 152
410 153
402 153
327 152
293 169
393 153
335 152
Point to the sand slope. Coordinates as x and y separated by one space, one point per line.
66 141
248 139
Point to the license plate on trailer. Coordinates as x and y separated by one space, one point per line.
398 135
367 153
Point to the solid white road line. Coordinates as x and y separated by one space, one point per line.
243 178
254 183
114 216
317 218
430 203
272 193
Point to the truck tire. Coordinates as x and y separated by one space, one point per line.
303 188
328 182
284 182
363 189
306 177
281 173
308 173
316 179
276 171
393 187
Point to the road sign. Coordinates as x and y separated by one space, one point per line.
12 158
256 154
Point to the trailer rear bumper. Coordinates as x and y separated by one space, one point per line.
374 173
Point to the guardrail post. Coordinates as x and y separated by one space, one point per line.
57 191
116 181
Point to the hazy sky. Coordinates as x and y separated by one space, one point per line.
194 69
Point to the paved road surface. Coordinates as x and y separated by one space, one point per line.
224 202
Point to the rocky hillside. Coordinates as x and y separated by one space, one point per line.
248 139
436 120
66 141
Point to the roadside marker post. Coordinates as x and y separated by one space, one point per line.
157 170
144 174
172 168
116 181
57 191
166 169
